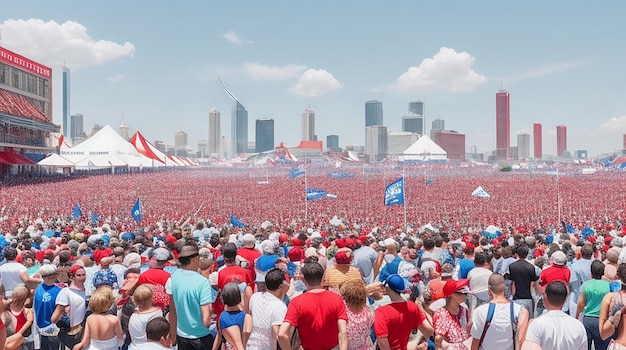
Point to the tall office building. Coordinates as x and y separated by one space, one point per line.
264 138
537 141
399 141
413 123
561 140
124 130
66 99
373 113
503 125
523 146
376 142
437 125
203 148
417 107
239 129
453 143
624 142
95 129
180 143
332 141
308 125
215 137
76 127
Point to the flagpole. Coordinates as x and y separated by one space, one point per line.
306 202
558 194
404 196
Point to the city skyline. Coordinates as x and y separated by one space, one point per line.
117 70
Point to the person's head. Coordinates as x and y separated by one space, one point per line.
555 294
313 273
20 294
77 274
343 256
188 255
48 273
10 253
480 259
597 269
612 255
158 330
621 272
354 294
231 295
394 284
496 284
101 299
456 291
274 279
586 251
522 251
429 244
142 297
229 251
206 259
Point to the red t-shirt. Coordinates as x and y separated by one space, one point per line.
98 254
395 322
230 274
250 254
315 315
154 276
555 273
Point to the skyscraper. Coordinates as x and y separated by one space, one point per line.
180 143
417 107
332 141
308 125
503 125
215 137
561 140
453 143
373 113
376 142
203 148
76 127
264 138
624 141
413 123
123 130
523 145
239 129
537 141
437 125
66 99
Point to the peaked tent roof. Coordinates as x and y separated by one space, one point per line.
147 149
426 149
56 160
103 147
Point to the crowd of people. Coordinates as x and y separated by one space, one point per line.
549 277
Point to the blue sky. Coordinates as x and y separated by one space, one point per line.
156 63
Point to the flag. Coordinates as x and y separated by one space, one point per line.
94 218
428 182
313 194
136 211
61 139
236 222
394 193
77 212
479 192
296 171
340 175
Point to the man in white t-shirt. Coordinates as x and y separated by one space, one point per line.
268 311
499 334
555 329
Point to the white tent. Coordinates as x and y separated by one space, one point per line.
105 149
425 149
55 160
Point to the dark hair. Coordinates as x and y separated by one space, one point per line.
522 251
133 270
556 292
274 278
313 273
157 328
621 272
231 295
429 243
480 259
597 269
10 253
586 251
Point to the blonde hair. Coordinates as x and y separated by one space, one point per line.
20 294
142 296
101 300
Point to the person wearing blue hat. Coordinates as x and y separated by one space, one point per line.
394 322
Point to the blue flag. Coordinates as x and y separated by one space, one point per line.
136 211
313 194
394 193
236 222
94 218
296 171
76 213
340 175
428 182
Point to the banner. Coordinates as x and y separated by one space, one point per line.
479 192
296 172
394 193
313 194
236 222
136 211
77 212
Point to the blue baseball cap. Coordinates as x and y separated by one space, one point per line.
396 283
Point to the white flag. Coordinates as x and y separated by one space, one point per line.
479 192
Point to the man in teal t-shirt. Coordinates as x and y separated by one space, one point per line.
589 301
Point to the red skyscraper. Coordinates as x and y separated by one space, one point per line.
561 140
537 141
453 143
503 125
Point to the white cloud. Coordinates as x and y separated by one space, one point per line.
261 72
236 39
116 78
446 70
542 71
316 83
52 43
613 125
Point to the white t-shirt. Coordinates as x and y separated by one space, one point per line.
479 279
10 273
267 311
76 301
557 330
499 334
137 325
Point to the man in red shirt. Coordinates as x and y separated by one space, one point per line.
313 313
557 272
231 272
249 252
394 322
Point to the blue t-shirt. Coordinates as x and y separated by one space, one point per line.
44 303
190 290
465 266
232 318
